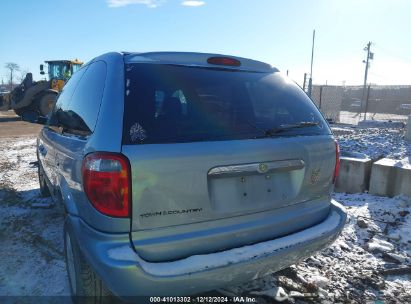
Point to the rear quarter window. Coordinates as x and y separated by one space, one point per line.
78 105
87 97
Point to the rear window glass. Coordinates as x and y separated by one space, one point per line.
170 103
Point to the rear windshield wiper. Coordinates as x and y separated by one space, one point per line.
286 127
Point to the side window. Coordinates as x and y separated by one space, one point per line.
82 111
65 96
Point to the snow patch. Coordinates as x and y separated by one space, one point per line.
277 293
378 244
376 143
31 259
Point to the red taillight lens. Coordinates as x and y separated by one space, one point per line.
224 61
337 161
106 182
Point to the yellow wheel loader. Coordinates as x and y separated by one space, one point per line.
37 98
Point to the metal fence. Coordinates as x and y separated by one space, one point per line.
348 105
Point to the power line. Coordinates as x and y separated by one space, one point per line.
385 78
388 52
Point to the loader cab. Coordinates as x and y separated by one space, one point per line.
60 71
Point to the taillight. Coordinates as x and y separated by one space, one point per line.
106 182
224 61
337 161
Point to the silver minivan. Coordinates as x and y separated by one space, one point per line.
182 173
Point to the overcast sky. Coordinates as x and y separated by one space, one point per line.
277 32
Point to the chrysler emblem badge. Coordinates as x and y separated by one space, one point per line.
262 168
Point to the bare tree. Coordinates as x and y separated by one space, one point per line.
12 67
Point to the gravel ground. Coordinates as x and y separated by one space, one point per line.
374 142
368 262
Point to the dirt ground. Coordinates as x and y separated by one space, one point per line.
11 125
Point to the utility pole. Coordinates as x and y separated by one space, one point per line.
310 82
370 56
321 96
305 81
366 102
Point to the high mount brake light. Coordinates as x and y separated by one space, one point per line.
106 182
224 61
337 161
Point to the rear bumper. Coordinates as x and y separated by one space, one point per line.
126 274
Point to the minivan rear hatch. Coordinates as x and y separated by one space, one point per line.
221 158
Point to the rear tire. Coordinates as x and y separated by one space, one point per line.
46 103
44 189
85 286
30 108
20 111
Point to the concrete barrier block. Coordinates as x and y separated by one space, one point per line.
354 175
403 178
390 177
382 180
